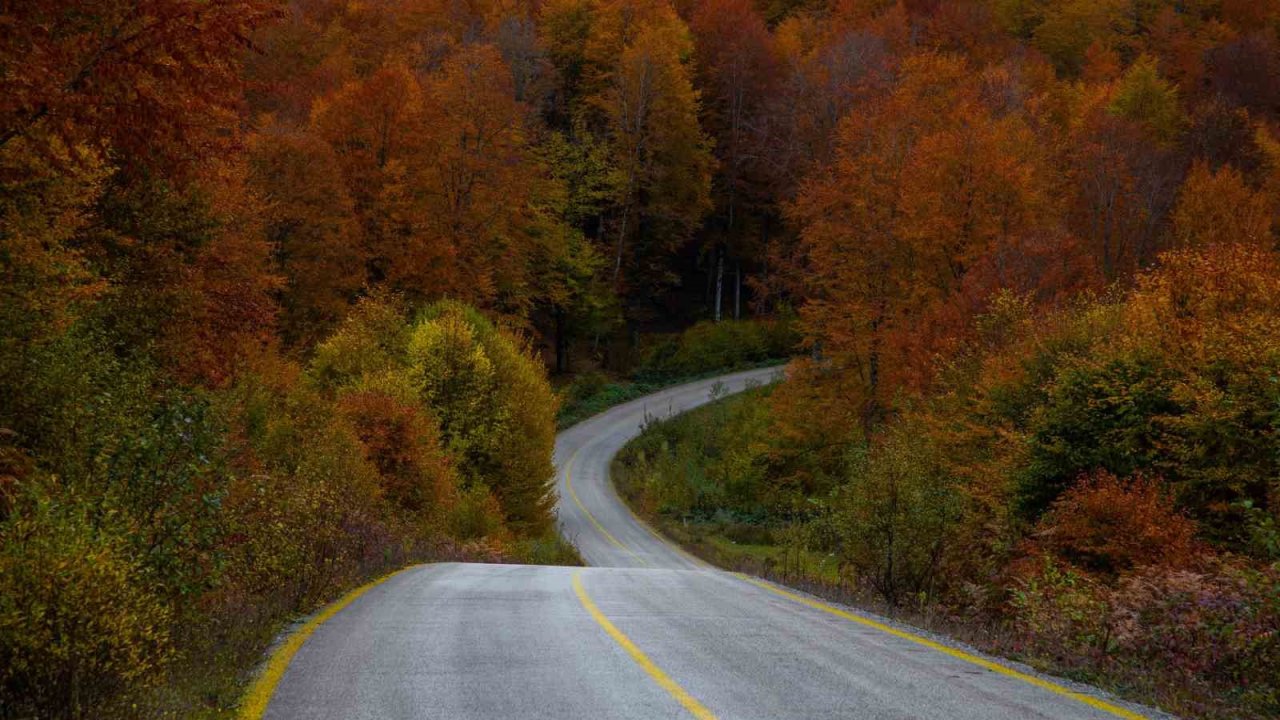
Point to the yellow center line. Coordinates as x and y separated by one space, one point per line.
958 654
568 483
695 708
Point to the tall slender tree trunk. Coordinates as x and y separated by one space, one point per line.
711 281
622 234
719 279
562 343
871 408
737 289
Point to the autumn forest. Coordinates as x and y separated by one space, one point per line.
291 294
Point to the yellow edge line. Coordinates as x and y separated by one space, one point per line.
568 483
661 538
254 704
695 708
958 654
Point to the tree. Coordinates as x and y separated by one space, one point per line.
154 81
565 26
1067 29
453 199
478 178
663 159
737 71
1218 208
495 408
1124 180
306 55
914 225
372 126
46 282
310 219
1144 97
227 306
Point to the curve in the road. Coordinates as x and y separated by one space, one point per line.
646 632
591 515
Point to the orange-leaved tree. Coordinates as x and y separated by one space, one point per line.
915 223
637 56
310 218
155 81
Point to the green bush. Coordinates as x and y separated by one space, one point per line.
584 387
546 549
1099 414
705 349
894 516
139 518
78 623
707 465
165 481
480 384
710 346
372 339
593 393
495 408
477 515
1060 613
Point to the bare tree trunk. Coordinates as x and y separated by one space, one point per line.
562 343
737 289
706 288
622 234
719 279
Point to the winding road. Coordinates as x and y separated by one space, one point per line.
645 631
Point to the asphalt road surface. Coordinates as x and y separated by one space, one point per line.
644 632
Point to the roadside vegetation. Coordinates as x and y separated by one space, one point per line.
704 350
281 285
1082 489
166 534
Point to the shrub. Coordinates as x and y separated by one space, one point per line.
163 482
1059 613
1211 626
403 443
583 388
1201 635
1098 414
1211 314
458 380
78 625
593 393
1110 525
306 506
371 339
477 515
705 465
547 549
495 408
895 515
479 384
726 345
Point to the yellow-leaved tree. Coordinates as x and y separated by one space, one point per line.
486 401
495 408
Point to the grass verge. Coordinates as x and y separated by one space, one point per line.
711 517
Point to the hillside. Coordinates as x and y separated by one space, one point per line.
285 289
